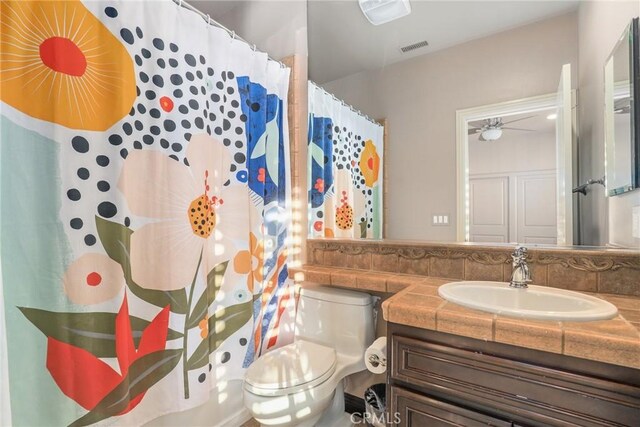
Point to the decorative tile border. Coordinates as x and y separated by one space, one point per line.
594 270
594 263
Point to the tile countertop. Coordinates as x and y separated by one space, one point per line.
415 302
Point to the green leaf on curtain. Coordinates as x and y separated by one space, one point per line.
317 154
259 148
272 147
225 322
116 240
94 332
214 283
269 144
143 374
363 229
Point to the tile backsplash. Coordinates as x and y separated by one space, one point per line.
593 270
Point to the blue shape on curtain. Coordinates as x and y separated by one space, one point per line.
261 108
321 134
271 309
263 111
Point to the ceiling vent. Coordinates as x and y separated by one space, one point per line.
414 46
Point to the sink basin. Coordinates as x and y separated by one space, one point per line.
534 302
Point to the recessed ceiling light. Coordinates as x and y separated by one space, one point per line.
552 116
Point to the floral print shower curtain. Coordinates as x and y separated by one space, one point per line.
145 186
345 165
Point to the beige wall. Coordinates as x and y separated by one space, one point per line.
513 152
419 97
599 26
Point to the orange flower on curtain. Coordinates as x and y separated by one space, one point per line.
370 163
59 63
251 262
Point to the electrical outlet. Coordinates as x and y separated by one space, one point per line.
440 219
635 222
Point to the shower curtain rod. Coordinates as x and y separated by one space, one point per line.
351 107
209 20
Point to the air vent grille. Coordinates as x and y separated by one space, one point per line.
414 46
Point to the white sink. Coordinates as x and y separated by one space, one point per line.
534 302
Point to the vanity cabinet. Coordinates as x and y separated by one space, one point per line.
438 379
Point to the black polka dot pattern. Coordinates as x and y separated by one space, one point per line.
107 209
80 144
126 35
74 194
111 12
204 99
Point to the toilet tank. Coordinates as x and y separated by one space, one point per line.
337 318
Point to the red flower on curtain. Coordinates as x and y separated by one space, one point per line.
87 379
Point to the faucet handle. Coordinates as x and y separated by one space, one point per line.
521 275
519 253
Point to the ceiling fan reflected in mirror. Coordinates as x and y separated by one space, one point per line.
491 129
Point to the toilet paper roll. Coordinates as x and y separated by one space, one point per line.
375 357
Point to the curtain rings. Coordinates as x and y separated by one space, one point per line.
179 3
208 19
233 35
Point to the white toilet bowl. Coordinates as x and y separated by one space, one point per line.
300 384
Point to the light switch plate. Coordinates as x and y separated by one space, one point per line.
440 219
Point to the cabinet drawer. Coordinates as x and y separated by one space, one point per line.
419 411
534 395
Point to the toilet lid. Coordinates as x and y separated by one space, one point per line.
299 365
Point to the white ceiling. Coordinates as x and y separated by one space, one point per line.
215 8
342 42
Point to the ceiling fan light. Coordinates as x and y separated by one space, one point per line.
382 11
491 134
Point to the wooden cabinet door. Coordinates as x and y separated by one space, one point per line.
411 409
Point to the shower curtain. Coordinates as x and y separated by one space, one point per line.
345 170
145 204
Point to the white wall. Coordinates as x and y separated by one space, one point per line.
604 220
521 152
275 26
420 96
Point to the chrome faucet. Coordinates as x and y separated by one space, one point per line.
521 274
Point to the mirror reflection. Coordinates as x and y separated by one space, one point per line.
621 132
494 116
512 178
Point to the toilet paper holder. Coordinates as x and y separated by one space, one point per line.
376 361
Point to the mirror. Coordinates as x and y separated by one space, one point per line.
515 169
482 119
621 114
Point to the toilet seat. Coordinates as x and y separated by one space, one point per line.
289 369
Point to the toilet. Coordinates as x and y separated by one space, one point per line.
301 384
